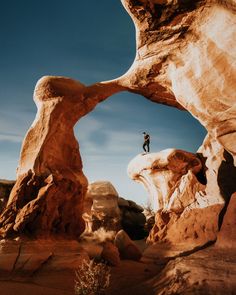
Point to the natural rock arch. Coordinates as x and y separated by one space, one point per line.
182 46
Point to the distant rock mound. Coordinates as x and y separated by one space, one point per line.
132 219
103 208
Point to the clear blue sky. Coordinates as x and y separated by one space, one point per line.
91 42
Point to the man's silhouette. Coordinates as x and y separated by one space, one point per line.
146 142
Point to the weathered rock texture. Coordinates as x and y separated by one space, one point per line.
104 210
40 266
210 272
160 173
227 236
185 58
47 198
101 208
186 215
126 247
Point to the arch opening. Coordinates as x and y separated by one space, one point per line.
111 135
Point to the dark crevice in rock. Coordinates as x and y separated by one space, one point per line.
5 190
201 175
199 248
45 262
17 258
227 182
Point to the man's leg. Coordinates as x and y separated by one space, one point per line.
148 147
144 145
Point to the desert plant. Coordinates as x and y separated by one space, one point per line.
92 278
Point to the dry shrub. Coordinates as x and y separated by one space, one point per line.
92 278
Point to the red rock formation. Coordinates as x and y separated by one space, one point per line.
101 208
185 58
186 215
227 236
47 198
161 172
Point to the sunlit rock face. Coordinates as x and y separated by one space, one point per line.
161 173
47 198
185 213
186 58
101 208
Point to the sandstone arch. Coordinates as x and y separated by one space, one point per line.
48 196
182 47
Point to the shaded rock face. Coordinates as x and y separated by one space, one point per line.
5 189
211 271
185 213
132 219
33 196
110 254
227 236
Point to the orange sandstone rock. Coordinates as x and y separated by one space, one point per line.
47 198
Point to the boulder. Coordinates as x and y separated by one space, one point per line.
132 219
127 248
104 197
110 254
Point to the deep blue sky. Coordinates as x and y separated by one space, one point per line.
91 42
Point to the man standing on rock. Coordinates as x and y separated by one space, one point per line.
146 142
